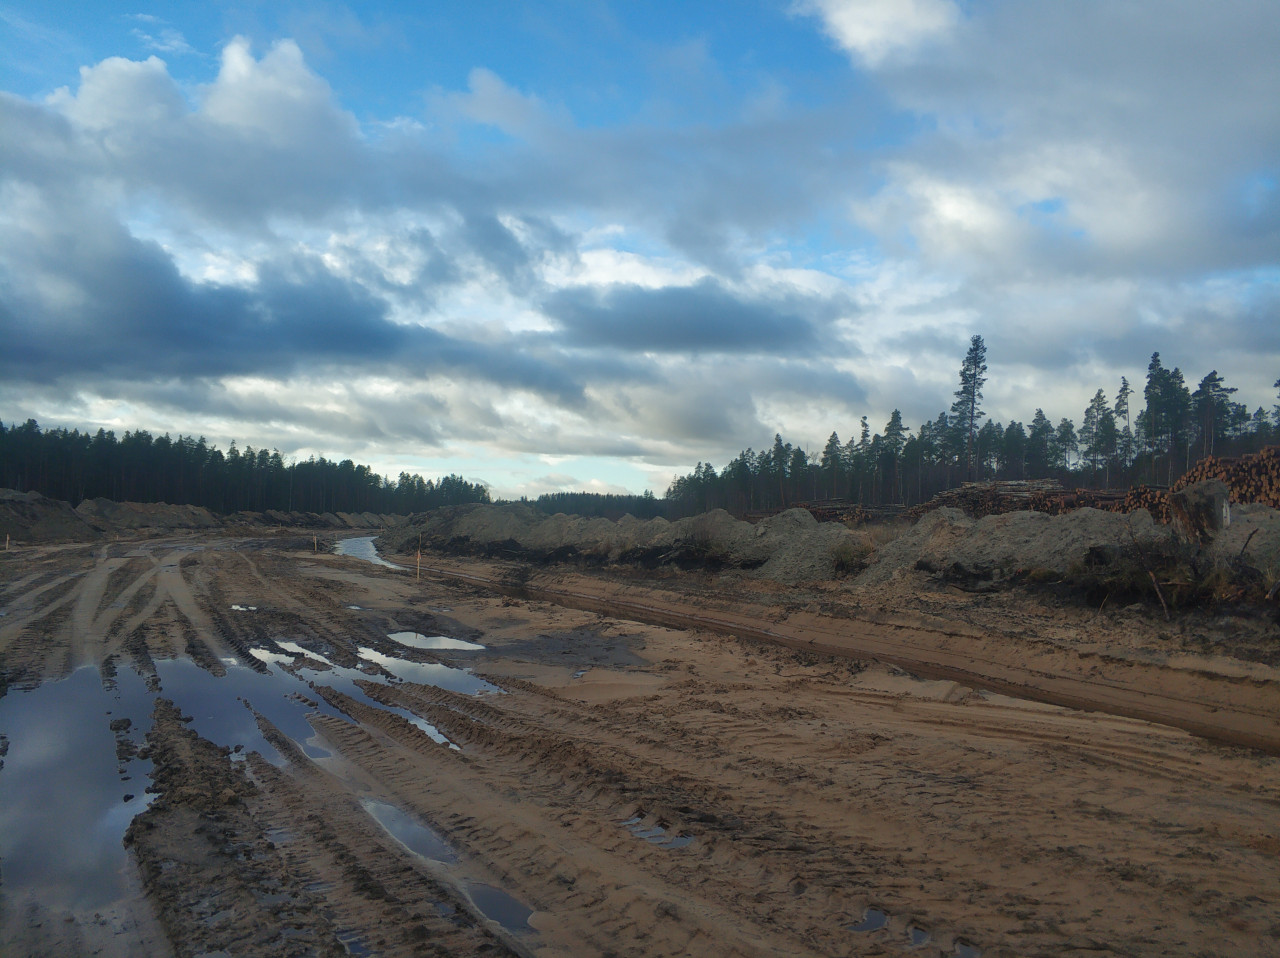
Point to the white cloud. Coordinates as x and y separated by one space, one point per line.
874 31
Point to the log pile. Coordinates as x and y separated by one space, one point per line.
837 510
978 499
1251 479
1108 500
825 510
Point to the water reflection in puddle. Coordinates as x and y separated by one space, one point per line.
966 950
362 547
217 706
873 920
421 839
414 835
496 904
656 834
918 936
429 673
63 813
416 640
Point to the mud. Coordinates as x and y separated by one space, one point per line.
631 788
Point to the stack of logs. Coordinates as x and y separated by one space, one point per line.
1250 479
1108 500
825 510
978 499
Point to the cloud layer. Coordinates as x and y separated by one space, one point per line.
493 284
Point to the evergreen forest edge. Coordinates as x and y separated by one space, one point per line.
1113 447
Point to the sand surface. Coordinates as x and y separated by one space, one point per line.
811 770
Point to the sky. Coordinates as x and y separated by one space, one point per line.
584 245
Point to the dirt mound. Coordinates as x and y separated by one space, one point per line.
279 519
28 517
1014 544
107 516
789 547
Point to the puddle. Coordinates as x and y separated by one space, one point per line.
244 608
966 950
350 939
362 547
429 673
918 936
873 920
580 673
656 834
356 608
63 811
419 838
416 640
218 711
496 904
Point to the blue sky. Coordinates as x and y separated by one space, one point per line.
585 245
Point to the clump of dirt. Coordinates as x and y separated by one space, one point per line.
789 547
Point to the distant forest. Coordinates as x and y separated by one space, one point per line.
138 467
1115 445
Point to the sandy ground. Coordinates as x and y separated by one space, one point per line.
643 789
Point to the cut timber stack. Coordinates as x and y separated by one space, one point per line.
978 499
837 510
1108 500
1250 479
825 510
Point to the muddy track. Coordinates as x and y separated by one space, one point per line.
1217 713
738 779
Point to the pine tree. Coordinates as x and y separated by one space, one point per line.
966 409
1122 412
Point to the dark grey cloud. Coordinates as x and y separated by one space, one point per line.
706 317
135 315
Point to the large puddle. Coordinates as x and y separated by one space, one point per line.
71 782
67 791
362 547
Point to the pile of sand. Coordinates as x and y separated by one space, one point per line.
28 517
948 542
794 547
789 547
108 516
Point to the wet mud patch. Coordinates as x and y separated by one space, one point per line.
576 649
199 825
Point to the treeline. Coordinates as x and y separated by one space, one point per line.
604 505
139 467
1116 444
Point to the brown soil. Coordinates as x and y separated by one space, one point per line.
811 742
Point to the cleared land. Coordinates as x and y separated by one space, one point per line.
636 788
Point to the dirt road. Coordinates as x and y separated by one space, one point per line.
594 785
